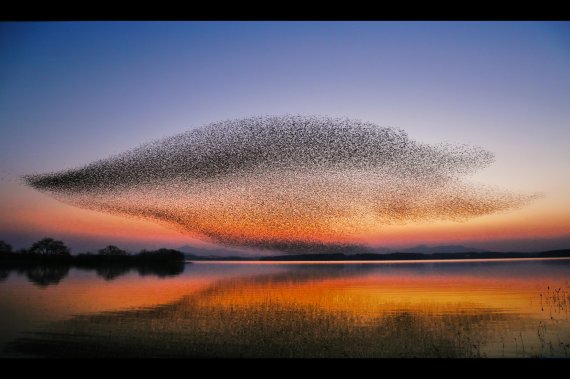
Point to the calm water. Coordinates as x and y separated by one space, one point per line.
510 308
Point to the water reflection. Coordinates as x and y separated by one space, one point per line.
53 273
329 310
45 275
162 270
4 273
191 328
110 272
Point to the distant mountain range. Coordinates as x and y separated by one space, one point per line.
416 256
440 249
356 252
332 249
220 252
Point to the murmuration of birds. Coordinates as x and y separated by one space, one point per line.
276 182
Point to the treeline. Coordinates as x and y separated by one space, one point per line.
50 250
48 262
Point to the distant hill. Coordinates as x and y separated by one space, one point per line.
204 253
441 249
416 256
326 249
420 252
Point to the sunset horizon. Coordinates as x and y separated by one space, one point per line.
526 156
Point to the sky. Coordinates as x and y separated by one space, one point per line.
75 92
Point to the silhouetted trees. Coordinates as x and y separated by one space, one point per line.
113 251
48 262
161 254
5 248
50 247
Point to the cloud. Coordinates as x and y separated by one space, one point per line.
285 180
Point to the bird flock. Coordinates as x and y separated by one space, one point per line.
285 180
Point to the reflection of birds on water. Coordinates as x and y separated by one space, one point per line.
284 181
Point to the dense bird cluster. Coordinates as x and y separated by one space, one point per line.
286 180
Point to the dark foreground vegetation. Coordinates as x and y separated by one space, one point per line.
48 262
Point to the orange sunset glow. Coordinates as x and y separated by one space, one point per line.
541 220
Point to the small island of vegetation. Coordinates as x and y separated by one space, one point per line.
48 261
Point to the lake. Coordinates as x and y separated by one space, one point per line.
477 308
